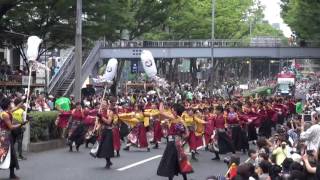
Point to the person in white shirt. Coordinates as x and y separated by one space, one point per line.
312 135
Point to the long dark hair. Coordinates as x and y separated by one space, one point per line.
5 103
179 109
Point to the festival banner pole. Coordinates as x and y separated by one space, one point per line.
29 87
103 96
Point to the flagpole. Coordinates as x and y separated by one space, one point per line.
29 87
103 96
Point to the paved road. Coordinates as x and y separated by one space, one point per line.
62 165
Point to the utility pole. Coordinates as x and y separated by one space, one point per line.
250 71
46 71
250 28
78 52
212 32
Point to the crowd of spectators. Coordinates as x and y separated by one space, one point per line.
293 152
8 73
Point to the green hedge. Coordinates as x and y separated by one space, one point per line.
42 126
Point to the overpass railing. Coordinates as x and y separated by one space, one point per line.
275 42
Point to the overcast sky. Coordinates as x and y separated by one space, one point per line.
272 14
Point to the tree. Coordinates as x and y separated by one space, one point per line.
233 18
303 17
114 19
51 20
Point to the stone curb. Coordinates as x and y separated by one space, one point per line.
47 145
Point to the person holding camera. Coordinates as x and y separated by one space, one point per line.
312 135
315 170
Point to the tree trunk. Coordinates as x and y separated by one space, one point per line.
169 75
214 74
120 67
193 71
175 72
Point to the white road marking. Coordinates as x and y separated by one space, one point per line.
138 163
201 147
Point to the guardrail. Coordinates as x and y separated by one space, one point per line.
65 58
70 53
276 42
87 63
21 80
65 70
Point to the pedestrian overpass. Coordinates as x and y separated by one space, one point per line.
63 82
208 49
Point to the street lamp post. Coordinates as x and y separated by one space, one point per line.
250 70
212 32
78 52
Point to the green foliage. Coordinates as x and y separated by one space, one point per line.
54 20
192 20
303 17
51 20
263 29
42 126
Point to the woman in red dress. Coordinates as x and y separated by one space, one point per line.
138 134
106 149
233 122
89 122
76 127
208 130
224 142
174 160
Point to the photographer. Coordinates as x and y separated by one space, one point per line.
308 165
312 135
